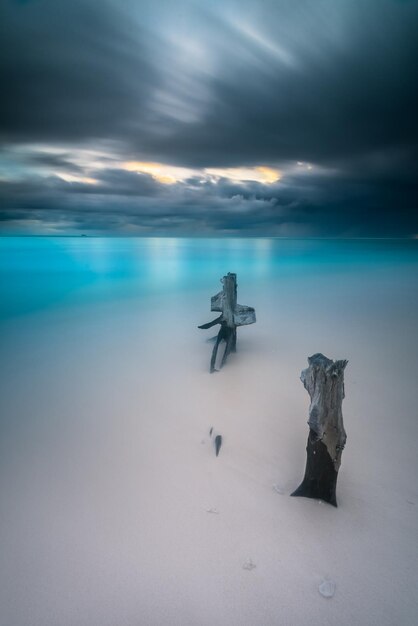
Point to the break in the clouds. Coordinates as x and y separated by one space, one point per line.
272 117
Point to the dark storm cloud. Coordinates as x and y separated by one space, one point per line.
128 202
347 89
220 84
50 161
71 70
299 80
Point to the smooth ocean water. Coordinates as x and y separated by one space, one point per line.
43 273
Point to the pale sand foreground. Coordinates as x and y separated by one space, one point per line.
107 470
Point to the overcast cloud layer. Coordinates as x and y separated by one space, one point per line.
275 117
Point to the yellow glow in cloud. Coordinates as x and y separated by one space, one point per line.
165 174
269 174
169 174
259 174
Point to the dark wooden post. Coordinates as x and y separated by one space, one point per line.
232 315
324 381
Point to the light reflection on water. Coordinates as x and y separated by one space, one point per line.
41 272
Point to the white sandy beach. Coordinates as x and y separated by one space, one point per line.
108 474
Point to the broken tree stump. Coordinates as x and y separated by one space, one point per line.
324 381
232 316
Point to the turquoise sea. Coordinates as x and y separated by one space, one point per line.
40 273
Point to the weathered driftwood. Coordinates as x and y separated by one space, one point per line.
232 315
324 381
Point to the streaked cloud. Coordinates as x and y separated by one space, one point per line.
222 116
259 173
165 174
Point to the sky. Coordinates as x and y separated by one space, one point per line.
288 118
